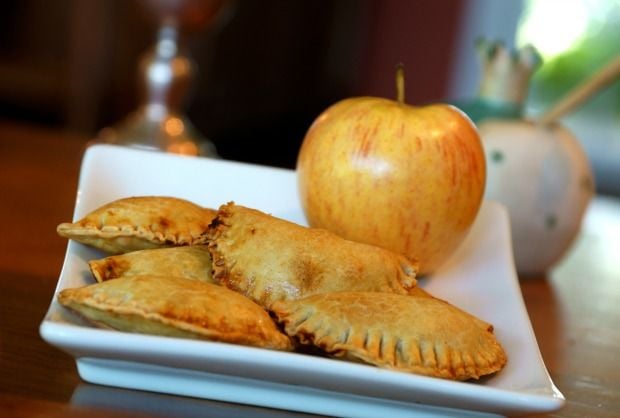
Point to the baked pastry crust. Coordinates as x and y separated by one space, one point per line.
270 259
138 223
178 307
190 262
421 335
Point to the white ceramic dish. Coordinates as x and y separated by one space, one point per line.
479 278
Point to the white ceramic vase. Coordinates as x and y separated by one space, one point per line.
542 175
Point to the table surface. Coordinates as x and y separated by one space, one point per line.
575 309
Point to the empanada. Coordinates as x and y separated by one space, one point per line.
190 262
269 259
138 223
422 335
178 307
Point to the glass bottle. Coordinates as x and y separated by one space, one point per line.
165 74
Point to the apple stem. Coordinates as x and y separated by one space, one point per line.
400 83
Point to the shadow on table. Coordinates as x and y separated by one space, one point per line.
156 404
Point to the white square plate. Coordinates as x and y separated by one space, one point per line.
479 278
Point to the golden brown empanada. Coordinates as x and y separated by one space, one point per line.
138 223
190 262
178 307
269 259
422 335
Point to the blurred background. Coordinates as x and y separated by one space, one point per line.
267 68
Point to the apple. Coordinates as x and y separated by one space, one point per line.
409 179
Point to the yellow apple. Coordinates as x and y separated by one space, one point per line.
406 178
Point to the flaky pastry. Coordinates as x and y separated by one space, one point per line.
138 223
177 307
270 259
422 335
190 262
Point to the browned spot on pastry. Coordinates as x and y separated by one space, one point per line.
115 268
165 222
108 268
308 273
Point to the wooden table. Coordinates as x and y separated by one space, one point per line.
575 311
